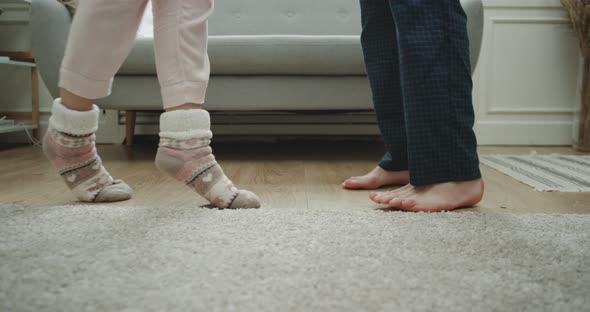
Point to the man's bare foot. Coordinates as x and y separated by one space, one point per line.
432 198
377 178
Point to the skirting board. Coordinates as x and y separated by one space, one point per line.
112 130
529 133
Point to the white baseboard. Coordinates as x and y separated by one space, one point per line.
524 133
112 130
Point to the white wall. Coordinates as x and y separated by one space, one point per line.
527 84
525 88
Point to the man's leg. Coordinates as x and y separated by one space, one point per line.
379 42
436 84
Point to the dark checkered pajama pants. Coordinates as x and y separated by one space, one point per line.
417 59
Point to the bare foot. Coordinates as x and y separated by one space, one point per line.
377 178
432 198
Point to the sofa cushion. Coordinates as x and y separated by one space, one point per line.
251 93
266 55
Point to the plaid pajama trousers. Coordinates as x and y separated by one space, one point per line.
417 59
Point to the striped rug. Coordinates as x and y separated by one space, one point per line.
545 173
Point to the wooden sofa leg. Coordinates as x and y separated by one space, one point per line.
129 127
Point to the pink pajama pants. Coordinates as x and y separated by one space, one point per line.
103 33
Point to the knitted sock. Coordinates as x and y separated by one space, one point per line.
184 153
69 145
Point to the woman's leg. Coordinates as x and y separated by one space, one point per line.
379 42
180 33
101 36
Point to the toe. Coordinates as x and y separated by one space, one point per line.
378 198
351 183
351 179
245 199
118 191
361 183
372 195
396 202
386 197
408 204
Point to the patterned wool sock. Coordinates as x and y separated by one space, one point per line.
184 153
69 145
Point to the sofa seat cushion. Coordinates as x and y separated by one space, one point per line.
265 55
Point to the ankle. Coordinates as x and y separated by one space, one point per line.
185 107
75 102
73 122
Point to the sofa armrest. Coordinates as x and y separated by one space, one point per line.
475 21
50 23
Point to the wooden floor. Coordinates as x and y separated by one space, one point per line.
285 174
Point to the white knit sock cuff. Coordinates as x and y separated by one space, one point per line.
185 124
73 122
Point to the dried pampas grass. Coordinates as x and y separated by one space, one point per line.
579 13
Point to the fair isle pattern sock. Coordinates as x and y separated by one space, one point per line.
185 154
69 145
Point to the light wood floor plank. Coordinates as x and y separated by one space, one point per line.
292 174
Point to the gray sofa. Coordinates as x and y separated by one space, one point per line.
266 55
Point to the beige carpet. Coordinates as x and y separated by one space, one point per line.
109 258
